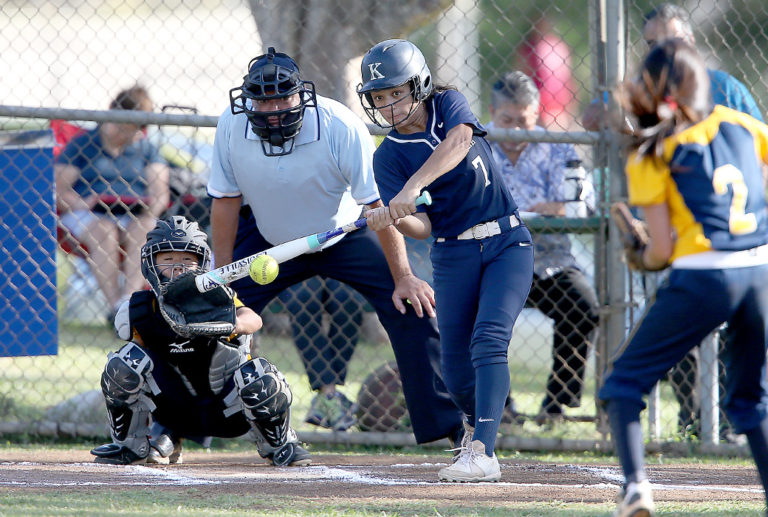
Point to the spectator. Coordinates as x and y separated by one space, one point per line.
533 172
671 21
546 58
326 354
302 163
111 185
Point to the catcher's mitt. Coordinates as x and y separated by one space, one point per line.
191 313
634 236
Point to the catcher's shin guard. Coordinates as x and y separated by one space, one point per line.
127 384
265 398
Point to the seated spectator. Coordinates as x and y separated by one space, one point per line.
111 185
533 172
325 355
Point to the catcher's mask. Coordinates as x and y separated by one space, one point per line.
273 75
175 233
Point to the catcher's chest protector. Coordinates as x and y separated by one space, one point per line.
158 336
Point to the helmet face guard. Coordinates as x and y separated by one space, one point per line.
377 114
273 76
173 234
390 64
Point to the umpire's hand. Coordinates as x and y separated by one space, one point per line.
415 291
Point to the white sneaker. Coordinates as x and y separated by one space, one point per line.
472 465
466 440
636 501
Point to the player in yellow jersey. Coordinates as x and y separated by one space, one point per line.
696 173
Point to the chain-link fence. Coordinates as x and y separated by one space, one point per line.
64 63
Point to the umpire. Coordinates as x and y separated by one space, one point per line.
289 163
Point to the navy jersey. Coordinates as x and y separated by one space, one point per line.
471 193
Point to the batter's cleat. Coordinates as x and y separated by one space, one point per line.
290 455
165 451
114 454
467 432
636 501
472 466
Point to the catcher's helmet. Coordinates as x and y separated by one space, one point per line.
273 75
392 63
175 233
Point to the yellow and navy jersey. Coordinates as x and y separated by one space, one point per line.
710 176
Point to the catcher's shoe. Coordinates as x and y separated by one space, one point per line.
289 454
636 501
114 454
165 451
472 466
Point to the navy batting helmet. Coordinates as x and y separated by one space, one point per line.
389 64
173 234
273 75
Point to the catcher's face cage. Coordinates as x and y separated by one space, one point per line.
273 76
152 270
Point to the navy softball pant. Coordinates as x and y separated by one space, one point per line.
689 305
480 288
358 261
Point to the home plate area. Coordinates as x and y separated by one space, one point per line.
349 476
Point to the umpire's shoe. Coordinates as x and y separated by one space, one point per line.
115 454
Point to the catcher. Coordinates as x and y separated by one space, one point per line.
186 370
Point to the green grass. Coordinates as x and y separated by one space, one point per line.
30 385
189 501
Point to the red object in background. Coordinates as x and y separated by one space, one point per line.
63 132
546 59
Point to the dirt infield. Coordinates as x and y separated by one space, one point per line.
407 478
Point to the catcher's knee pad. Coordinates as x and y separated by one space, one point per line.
126 383
224 362
263 390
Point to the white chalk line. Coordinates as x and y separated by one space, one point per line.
610 476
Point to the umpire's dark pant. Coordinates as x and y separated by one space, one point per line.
358 261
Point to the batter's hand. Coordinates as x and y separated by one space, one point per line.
404 203
379 218
415 291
